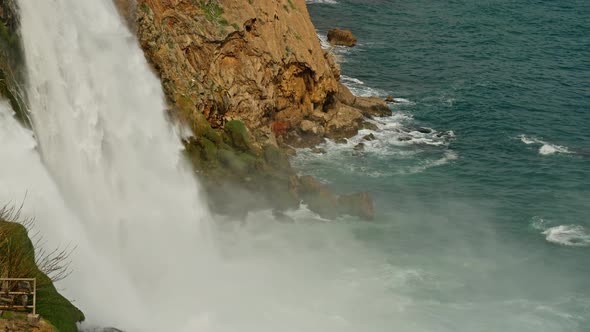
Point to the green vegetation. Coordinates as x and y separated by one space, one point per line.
17 255
237 136
291 4
213 11
146 9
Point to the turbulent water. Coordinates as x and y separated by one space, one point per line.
480 179
488 214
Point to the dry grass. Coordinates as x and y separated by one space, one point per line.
16 251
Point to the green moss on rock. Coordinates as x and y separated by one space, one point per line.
236 135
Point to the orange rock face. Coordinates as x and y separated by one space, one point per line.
341 37
257 61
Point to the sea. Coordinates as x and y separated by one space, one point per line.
481 178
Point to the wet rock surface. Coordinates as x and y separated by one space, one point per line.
252 82
341 37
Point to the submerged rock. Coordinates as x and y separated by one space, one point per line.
341 37
357 204
369 125
341 141
317 197
318 150
424 130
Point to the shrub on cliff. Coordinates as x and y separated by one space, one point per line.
17 260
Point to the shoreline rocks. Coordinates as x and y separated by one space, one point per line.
252 82
341 37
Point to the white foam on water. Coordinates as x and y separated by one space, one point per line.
539 223
448 156
395 139
359 88
403 101
568 235
546 148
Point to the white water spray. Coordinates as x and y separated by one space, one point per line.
115 186
98 113
144 263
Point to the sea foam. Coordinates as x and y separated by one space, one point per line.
567 235
546 148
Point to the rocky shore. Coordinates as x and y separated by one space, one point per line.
251 81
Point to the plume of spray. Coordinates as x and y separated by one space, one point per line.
98 114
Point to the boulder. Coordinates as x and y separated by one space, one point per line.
341 141
369 137
369 125
344 95
317 197
371 106
318 150
344 121
424 130
389 99
357 204
341 37
310 127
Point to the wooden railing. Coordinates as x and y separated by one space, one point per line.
18 294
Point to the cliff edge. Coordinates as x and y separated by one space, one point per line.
251 81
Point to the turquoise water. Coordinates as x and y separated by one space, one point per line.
489 209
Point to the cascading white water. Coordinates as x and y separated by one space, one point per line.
144 262
98 113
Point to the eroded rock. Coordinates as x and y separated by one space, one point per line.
341 37
357 204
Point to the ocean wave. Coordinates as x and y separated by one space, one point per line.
359 88
546 148
324 41
403 101
448 156
539 223
396 140
567 235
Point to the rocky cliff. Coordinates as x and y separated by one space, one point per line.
259 62
250 79
11 60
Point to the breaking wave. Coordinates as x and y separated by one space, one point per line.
545 147
566 235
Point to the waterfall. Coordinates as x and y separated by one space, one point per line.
106 173
99 117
